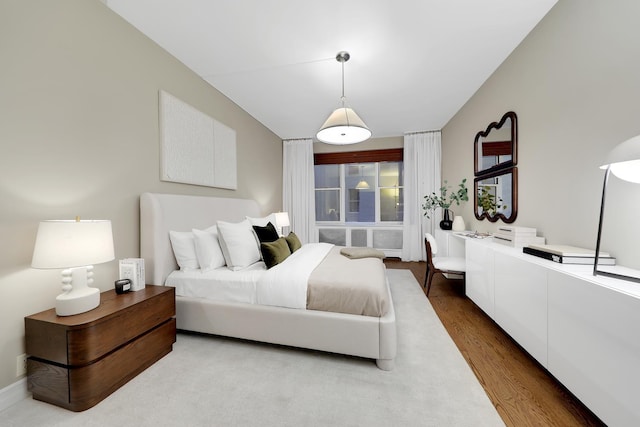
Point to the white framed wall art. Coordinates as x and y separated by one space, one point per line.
195 148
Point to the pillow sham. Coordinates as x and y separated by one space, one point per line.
238 243
208 250
275 252
184 249
293 242
268 233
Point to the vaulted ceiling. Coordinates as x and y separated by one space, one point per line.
414 63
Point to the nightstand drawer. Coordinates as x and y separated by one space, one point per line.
80 388
93 342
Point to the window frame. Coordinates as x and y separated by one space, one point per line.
345 159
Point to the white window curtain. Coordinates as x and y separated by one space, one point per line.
422 176
298 188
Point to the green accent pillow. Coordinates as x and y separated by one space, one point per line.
293 242
273 253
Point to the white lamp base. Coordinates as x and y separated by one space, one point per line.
77 297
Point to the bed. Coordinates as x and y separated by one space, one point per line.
351 334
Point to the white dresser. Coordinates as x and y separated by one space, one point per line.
584 330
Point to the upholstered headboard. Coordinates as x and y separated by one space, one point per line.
161 213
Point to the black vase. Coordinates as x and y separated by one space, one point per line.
446 222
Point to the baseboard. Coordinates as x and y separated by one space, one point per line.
13 393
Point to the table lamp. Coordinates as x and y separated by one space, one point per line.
74 245
282 220
624 162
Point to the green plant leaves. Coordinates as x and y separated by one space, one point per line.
445 199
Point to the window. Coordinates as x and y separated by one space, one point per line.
390 182
360 192
327 178
370 192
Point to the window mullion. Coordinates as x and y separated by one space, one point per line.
377 197
343 192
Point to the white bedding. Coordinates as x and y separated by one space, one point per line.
284 285
220 284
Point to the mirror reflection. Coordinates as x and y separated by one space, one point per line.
496 195
495 148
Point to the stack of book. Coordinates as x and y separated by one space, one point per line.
568 254
517 236
133 269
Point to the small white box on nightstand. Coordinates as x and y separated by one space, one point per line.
133 269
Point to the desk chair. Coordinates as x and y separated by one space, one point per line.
449 265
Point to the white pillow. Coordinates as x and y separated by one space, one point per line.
238 243
261 222
208 249
184 249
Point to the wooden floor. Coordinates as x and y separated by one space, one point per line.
522 391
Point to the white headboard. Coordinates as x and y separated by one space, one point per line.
161 213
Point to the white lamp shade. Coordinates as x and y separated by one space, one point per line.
282 219
624 160
343 127
65 244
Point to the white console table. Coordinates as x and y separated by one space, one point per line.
584 330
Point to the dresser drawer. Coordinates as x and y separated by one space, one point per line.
91 343
82 387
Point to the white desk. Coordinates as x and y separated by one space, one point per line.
450 243
583 329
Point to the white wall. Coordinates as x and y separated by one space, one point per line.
79 136
574 84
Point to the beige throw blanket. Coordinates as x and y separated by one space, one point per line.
354 286
356 253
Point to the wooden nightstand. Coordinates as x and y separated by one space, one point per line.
76 361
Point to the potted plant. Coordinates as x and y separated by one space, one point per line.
444 201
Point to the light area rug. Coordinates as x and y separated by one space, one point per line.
215 381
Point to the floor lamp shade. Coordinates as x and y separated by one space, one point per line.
74 246
624 160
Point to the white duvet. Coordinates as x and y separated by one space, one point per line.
221 284
284 285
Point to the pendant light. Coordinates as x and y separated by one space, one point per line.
362 185
343 125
